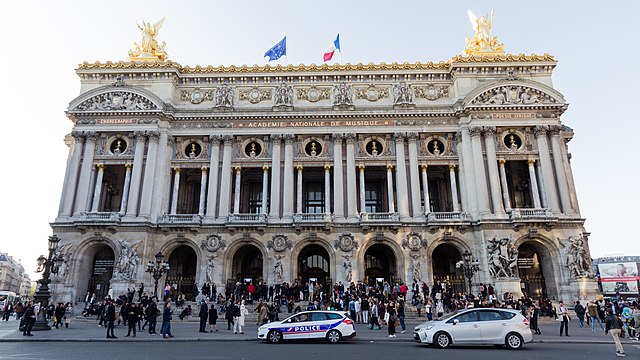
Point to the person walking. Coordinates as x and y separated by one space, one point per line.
533 321
68 313
229 315
111 318
613 325
564 321
580 312
213 318
375 325
152 315
364 306
165 330
592 310
204 314
29 320
401 317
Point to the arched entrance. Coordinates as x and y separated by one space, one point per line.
380 265
443 261
183 263
533 263
313 265
101 271
247 265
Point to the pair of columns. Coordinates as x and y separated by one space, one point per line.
176 190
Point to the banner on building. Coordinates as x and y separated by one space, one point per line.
619 277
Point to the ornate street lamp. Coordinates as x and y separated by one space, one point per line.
47 265
469 266
157 270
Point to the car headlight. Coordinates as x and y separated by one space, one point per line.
429 326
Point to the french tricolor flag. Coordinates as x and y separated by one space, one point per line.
335 45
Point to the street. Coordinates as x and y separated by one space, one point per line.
307 351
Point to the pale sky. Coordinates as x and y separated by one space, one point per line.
42 42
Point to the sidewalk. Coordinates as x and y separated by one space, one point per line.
87 330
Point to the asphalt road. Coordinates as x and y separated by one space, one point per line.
308 351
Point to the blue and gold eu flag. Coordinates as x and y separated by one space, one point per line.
278 50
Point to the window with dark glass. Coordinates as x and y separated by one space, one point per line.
373 197
313 197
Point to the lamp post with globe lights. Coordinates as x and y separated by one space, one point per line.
47 265
157 270
469 266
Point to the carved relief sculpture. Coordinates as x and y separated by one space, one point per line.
255 95
432 92
346 242
415 265
283 96
278 269
314 94
225 96
210 268
342 97
116 100
212 243
279 243
372 93
414 241
576 257
503 258
402 95
513 95
348 270
128 261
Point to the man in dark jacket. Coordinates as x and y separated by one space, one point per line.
166 321
111 318
152 313
204 315
133 318
29 320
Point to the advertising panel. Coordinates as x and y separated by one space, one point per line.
619 277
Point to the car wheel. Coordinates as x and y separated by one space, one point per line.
442 340
334 336
513 341
274 336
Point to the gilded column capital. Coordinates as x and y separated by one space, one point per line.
424 167
541 130
128 166
389 167
100 166
299 168
204 169
531 162
265 168
502 162
475 131
452 167
238 169
176 170
327 168
361 167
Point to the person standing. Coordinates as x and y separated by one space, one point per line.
68 313
229 315
213 318
391 319
592 310
237 326
29 320
564 320
111 318
204 315
166 321
375 324
152 315
614 326
364 306
133 316
580 311
533 321
401 316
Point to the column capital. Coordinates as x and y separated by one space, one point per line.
139 135
554 130
78 136
204 169
399 137
531 162
350 137
489 131
361 167
327 168
154 136
475 131
228 139
501 162
215 139
128 165
238 169
276 138
299 168
452 167
265 168
389 167
412 136
176 169
424 167
100 166
541 130
337 137
288 138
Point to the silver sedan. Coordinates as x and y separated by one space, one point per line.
476 326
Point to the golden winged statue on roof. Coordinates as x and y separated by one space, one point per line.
482 42
149 49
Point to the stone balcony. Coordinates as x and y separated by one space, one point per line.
99 217
309 218
531 214
388 219
175 219
247 219
448 217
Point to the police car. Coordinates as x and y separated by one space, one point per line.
317 324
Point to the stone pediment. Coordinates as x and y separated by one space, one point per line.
116 98
515 93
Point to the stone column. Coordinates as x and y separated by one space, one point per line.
161 182
454 188
236 190
480 176
338 181
563 187
534 184
362 189
71 177
391 206
288 191
541 188
299 191
327 189
464 192
203 190
265 189
212 192
352 201
505 187
546 177
274 210
84 183
98 190
149 174
176 188
414 178
136 174
225 178
467 165
425 190
401 178
492 164
125 190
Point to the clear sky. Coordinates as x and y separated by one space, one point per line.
42 42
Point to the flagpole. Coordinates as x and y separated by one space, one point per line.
286 57
340 48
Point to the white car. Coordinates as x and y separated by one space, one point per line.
317 324
476 326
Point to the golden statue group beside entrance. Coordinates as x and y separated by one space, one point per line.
149 49
482 42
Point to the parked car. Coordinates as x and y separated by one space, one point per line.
318 324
